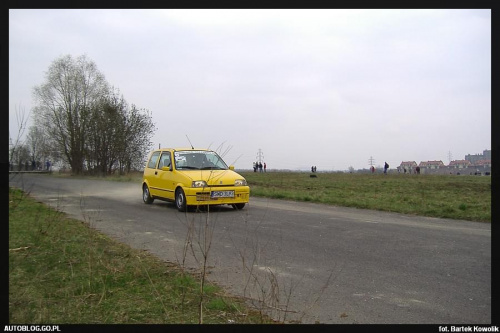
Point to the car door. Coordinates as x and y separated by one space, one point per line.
163 173
150 173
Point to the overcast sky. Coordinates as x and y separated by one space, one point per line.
328 87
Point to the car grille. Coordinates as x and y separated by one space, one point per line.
203 196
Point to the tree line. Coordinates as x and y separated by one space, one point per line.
81 120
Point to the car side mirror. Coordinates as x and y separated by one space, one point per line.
231 167
166 168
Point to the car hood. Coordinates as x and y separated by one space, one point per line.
213 177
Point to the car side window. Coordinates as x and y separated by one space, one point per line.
153 160
164 160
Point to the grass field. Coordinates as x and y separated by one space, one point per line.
445 196
61 271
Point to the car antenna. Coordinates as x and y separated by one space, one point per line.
189 142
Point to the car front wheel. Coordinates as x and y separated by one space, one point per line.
239 206
146 197
180 200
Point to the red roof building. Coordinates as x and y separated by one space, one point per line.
408 164
483 163
460 164
432 164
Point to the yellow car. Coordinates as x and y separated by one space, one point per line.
192 177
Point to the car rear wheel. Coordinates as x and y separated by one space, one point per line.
180 200
146 196
239 206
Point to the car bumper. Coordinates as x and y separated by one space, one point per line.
204 196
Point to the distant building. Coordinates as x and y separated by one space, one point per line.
483 164
479 164
459 164
431 164
486 155
408 166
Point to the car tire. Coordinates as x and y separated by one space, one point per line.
180 200
146 196
239 206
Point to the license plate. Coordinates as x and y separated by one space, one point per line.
222 194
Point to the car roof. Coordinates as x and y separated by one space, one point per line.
178 149
181 149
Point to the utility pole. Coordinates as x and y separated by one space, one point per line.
371 161
260 156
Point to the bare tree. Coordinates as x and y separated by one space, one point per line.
36 141
21 157
138 128
16 143
88 122
103 135
63 102
118 137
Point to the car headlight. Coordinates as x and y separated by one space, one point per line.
199 183
240 182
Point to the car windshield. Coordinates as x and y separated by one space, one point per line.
198 160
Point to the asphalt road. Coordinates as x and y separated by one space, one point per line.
301 261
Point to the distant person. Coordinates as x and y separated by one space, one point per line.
372 169
386 166
265 166
254 167
260 166
418 170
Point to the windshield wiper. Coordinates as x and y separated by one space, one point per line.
188 167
